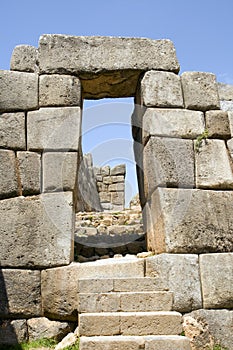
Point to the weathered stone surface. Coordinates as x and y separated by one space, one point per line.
161 89
40 229
59 289
187 221
217 280
13 332
20 293
116 187
146 301
179 123
8 174
25 59
69 340
18 91
118 170
54 129
211 172
104 323
168 162
226 105
99 302
112 342
60 53
172 342
59 90
217 124
206 328
150 323
40 328
144 284
200 91
230 116
118 198
225 91
181 273
29 164
12 131
102 285
59 171
230 147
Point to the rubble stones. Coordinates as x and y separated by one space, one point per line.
200 91
41 328
18 91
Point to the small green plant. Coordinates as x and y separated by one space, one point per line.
219 347
199 140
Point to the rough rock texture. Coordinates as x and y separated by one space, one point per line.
37 231
20 293
200 91
8 174
13 332
225 91
54 129
181 273
168 162
18 91
59 90
112 342
167 343
59 171
108 66
161 89
226 105
230 116
217 124
213 173
187 221
12 131
69 340
39 328
172 123
206 328
217 280
29 165
25 59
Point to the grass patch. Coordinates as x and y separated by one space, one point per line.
46 343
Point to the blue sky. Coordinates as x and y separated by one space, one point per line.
202 31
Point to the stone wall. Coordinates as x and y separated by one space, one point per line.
183 149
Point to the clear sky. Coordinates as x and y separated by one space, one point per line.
202 31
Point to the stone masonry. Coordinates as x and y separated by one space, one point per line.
182 127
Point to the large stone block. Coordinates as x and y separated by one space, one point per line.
29 164
42 328
200 91
25 59
225 91
112 342
13 332
169 342
179 123
181 273
54 129
217 124
213 171
18 91
107 66
168 162
59 90
217 280
207 328
59 290
12 131
190 221
161 89
37 231
8 174
59 171
20 293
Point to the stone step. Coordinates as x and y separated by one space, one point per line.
139 284
130 323
125 301
169 342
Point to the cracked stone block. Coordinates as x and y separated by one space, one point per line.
212 172
25 59
8 174
54 129
12 131
217 280
161 89
18 91
200 91
29 164
59 90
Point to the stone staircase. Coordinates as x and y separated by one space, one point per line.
128 313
